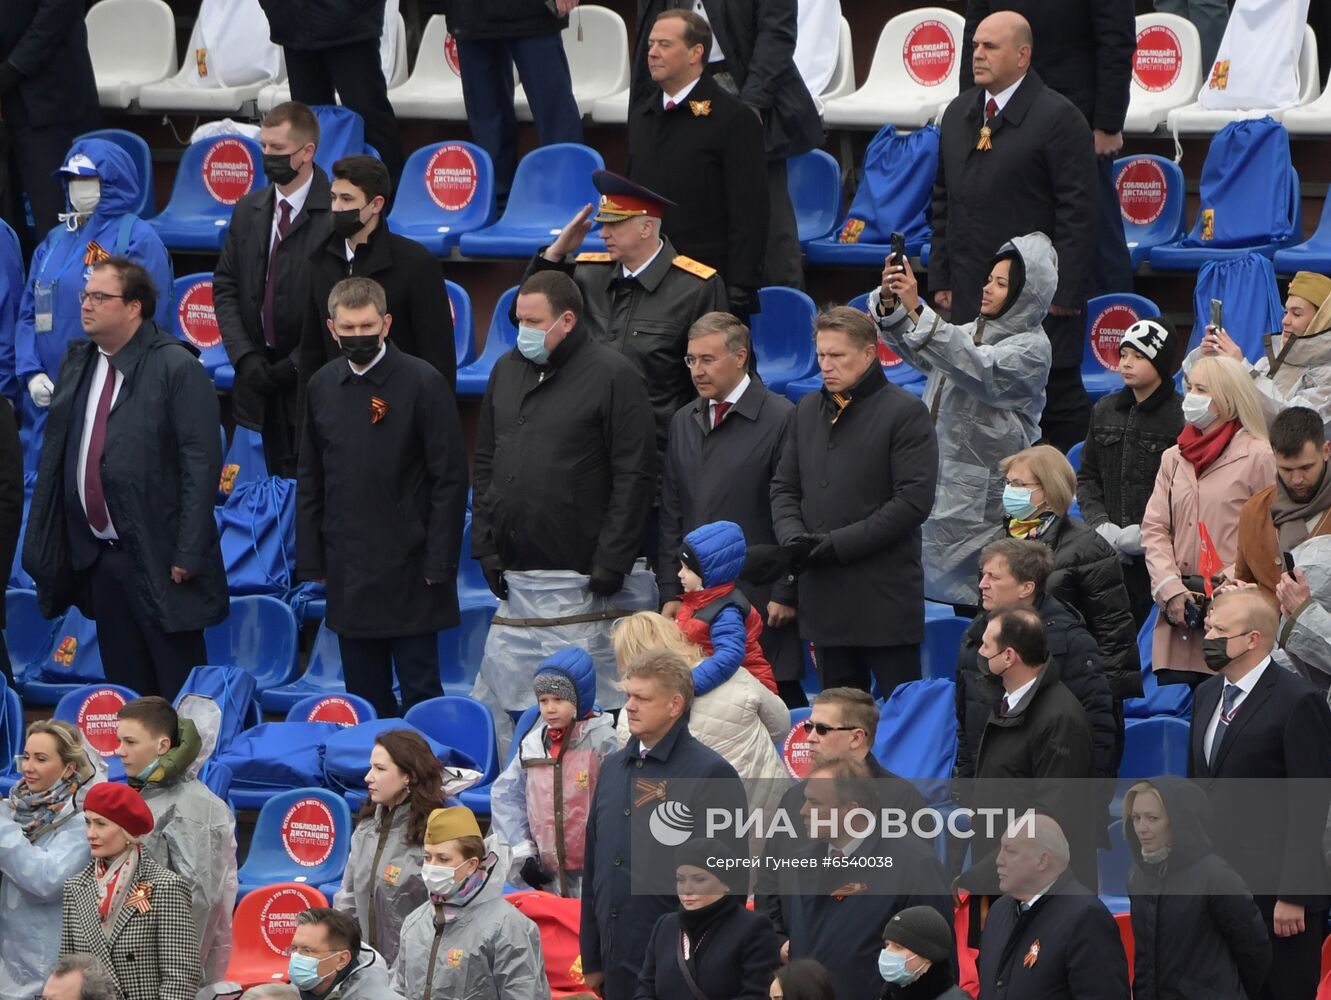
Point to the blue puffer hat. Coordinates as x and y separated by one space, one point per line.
569 674
715 552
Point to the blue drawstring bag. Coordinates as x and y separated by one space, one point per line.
346 753
341 133
917 735
1247 287
279 755
895 188
244 462
257 527
74 657
1249 192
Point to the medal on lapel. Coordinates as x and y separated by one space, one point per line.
140 898
700 109
378 409
986 138
649 791
1033 955
849 889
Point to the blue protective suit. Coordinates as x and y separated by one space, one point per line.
60 263
11 290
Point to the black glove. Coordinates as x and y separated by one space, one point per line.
253 371
283 373
765 564
743 301
820 546
605 582
493 569
534 875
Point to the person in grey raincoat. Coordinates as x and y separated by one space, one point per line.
382 881
356 972
43 843
466 941
986 392
194 832
1305 612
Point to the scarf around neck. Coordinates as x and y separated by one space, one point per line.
34 811
1030 527
1291 517
1203 449
114 880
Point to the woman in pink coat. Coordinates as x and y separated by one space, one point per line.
1222 459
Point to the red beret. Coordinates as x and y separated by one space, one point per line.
121 805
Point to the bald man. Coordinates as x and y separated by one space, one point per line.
1048 936
1017 157
1257 720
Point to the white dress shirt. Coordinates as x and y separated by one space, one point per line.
645 264
732 399
1003 96
89 415
1245 684
678 99
296 199
1015 698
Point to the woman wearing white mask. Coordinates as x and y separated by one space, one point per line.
1221 460
466 940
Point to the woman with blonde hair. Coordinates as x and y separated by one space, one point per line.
1041 485
740 719
1222 458
42 843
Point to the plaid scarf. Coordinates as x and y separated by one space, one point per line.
33 811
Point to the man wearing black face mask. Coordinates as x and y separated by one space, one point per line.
362 245
380 498
260 277
1256 720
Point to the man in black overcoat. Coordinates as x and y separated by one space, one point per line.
1261 749
259 284
380 498
1016 157
1083 50
693 143
856 482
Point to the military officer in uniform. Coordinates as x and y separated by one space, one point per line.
640 296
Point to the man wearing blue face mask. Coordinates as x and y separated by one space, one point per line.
916 960
328 958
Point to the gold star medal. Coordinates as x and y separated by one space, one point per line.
986 138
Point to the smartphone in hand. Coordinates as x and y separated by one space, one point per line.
898 255
1217 317
1289 564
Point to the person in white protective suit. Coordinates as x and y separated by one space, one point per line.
986 391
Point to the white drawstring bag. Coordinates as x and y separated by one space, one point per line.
230 46
1257 64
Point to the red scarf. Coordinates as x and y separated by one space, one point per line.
1203 449
556 737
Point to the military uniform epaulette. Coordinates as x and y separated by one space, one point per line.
694 267
592 258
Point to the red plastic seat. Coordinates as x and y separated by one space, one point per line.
262 928
1124 921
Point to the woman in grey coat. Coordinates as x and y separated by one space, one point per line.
986 392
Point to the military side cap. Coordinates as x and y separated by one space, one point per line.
452 823
622 199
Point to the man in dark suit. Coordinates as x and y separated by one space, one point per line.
1016 157
362 244
48 95
1047 937
380 501
752 57
122 520
1257 720
1083 50
693 143
724 449
259 283
861 598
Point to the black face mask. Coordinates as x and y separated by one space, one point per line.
1216 653
359 350
346 222
278 169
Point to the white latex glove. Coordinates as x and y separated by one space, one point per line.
1130 541
40 388
1110 532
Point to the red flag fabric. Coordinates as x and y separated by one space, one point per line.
1209 563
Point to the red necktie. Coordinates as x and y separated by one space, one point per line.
283 224
94 500
719 411
990 110
669 105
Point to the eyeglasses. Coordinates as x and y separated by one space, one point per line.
705 360
98 298
292 950
822 728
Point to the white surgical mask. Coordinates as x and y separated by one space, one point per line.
440 879
531 343
1197 410
84 194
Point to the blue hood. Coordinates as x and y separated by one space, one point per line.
115 170
720 550
575 664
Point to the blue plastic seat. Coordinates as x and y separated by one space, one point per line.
1156 699
468 726
243 463
1144 173
1152 747
302 835
783 336
1107 319
1175 256
323 675
259 636
195 322
213 175
11 735
72 660
917 735
145 206
462 648
447 189
344 709
1314 254
28 635
942 643
503 334
814 180
797 715
464 332
93 708
473 591
1074 455
551 186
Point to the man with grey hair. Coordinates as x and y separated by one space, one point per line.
1048 936
380 498
722 454
79 976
